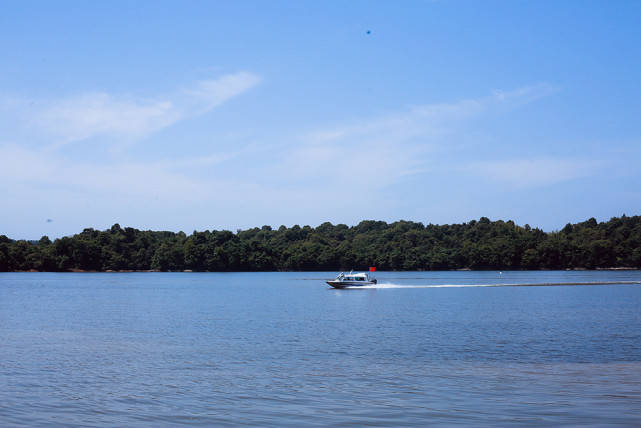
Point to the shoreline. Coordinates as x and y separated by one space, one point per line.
266 271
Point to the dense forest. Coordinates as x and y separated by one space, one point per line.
402 245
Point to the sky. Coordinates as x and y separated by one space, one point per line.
201 115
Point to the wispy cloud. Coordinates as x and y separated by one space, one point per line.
88 115
382 150
49 171
534 172
525 94
433 119
208 94
127 117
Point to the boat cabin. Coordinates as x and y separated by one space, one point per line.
353 277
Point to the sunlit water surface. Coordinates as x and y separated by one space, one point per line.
284 349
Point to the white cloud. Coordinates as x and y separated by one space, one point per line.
535 172
208 94
525 94
88 115
48 171
128 118
382 150
432 119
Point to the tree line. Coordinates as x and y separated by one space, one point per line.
402 245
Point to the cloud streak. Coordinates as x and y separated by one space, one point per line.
96 114
208 94
383 150
130 118
534 172
46 171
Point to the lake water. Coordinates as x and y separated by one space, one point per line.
283 349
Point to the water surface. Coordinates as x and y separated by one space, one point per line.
283 349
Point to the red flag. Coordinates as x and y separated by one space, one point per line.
372 269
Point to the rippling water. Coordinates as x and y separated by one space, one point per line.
283 349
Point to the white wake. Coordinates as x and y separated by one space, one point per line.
534 284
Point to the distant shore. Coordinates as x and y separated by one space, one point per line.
402 246
317 270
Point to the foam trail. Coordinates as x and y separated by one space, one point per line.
534 284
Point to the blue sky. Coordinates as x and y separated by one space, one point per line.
210 115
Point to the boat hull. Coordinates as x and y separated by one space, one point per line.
350 284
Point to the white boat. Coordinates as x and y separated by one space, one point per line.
352 279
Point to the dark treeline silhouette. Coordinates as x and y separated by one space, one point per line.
402 245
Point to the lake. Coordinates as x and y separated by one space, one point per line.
284 349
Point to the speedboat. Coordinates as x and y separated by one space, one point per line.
352 280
